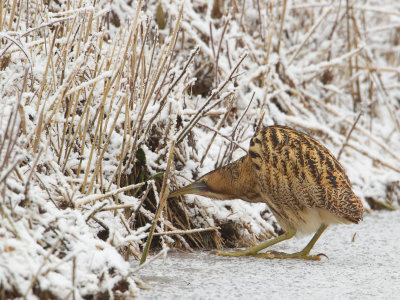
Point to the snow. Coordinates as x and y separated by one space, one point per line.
366 268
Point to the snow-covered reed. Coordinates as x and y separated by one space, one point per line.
94 95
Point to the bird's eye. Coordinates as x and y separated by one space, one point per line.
204 180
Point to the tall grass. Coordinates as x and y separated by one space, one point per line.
105 107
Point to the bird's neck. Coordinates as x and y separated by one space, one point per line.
237 181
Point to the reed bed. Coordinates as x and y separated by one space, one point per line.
105 107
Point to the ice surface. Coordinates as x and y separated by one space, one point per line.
365 268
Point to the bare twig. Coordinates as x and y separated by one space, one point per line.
142 199
309 34
202 111
282 23
164 195
373 157
163 252
73 277
95 211
348 135
96 197
219 49
224 136
164 99
180 232
219 125
41 266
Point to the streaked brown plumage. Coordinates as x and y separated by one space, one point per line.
302 183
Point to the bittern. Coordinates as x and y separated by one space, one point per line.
300 180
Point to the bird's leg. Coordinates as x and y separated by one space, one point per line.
303 254
253 250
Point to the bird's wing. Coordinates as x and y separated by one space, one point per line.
298 171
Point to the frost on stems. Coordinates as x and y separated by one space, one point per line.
85 132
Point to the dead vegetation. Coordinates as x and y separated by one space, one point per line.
96 99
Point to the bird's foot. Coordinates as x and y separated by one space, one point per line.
282 255
236 253
272 255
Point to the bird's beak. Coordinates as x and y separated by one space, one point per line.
197 188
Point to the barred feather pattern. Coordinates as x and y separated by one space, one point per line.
297 173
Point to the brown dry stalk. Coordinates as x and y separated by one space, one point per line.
372 157
309 34
163 252
104 146
14 5
121 206
46 70
348 135
360 129
224 136
1 18
181 232
96 197
41 266
202 111
219 49
219 125
281 27
163 101
161 66
163 198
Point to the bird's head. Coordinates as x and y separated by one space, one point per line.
212 185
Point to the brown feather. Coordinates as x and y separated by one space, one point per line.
295 175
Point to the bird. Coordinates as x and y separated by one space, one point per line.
300 180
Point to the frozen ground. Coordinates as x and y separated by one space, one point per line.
366 268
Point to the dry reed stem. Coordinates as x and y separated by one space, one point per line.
92 150
163 252
14 5
73 278
360 129
5 213
202 111
1 19
41 266
219 48
10 135
372 157
309 34
348 135
219 125
281 27
164 195
46 70
121 206
162 61
334 62
144 196
105 75
224 136
35 162
95 211
150 216
164 100
183 232
373 68
96 197
104 146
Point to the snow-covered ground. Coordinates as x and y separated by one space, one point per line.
365 268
